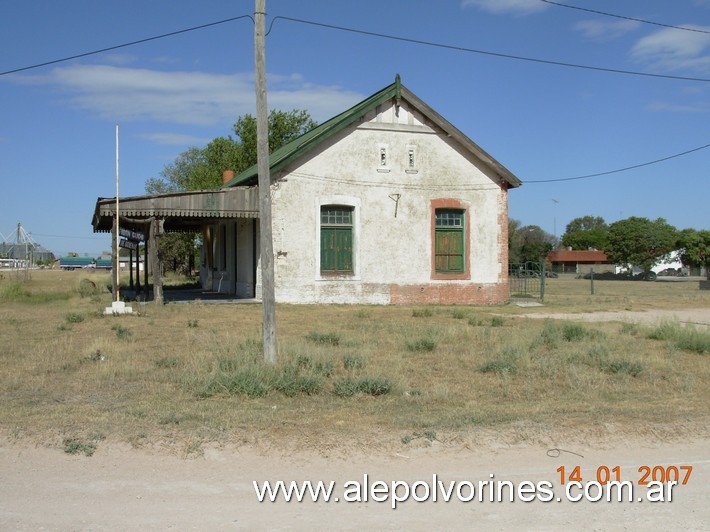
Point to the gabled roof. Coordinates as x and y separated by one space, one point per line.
301 145
564 255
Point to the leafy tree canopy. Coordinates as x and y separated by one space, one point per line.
528 242
202 168
694 247
586 232
641 241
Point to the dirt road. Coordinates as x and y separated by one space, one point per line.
126 489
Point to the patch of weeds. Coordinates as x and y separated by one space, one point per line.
497 321
192 324
421 345
354 362
686 338
458 314
73 317
324 339
429 435
345 387
122 333
246 382
170 419
323 368
76 446
413 393
87 288
551 335
290 385
304 361
374 386
573 332
476 322
167 362
631 329
362 313
617 367
63 327
505 363
422 313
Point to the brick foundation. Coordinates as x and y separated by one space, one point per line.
450 294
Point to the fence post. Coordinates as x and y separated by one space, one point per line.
591 276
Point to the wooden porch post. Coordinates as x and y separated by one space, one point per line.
155 262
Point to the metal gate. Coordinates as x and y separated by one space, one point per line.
527 280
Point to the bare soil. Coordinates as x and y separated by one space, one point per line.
125 488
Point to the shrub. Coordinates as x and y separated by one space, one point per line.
345 387
166 362
622 366
121 332
73 317
88 288
458 314
573 332
324 339
374 386
354 362
421 345
497 321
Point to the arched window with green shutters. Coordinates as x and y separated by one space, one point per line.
450 244
336 239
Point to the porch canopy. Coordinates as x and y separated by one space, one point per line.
177 211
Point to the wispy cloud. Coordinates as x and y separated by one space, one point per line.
175 139
603 30
516 7
670 49
180 97
680 108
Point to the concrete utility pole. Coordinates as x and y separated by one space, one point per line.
268 297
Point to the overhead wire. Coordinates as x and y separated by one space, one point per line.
485 52
124 45
649 163
644 21
425 43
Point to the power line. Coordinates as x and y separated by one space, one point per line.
604 13
619 169
140 41
371 34
485 52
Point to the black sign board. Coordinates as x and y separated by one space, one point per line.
128 244
131 235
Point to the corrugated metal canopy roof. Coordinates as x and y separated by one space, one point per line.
182 211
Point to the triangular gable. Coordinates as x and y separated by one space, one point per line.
301 145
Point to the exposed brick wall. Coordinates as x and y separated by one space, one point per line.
450 293
503 238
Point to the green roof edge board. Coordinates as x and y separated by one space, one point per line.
304 143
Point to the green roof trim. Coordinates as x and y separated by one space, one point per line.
301 145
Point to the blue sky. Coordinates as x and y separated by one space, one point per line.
57 122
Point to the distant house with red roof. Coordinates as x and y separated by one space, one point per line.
579 261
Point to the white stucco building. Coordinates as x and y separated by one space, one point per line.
385 203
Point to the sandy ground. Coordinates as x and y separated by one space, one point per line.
121 488
691 316
124 489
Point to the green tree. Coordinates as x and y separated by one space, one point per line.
640 241
202 168
694 247
586 232
528 242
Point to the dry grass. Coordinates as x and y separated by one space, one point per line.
181 375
